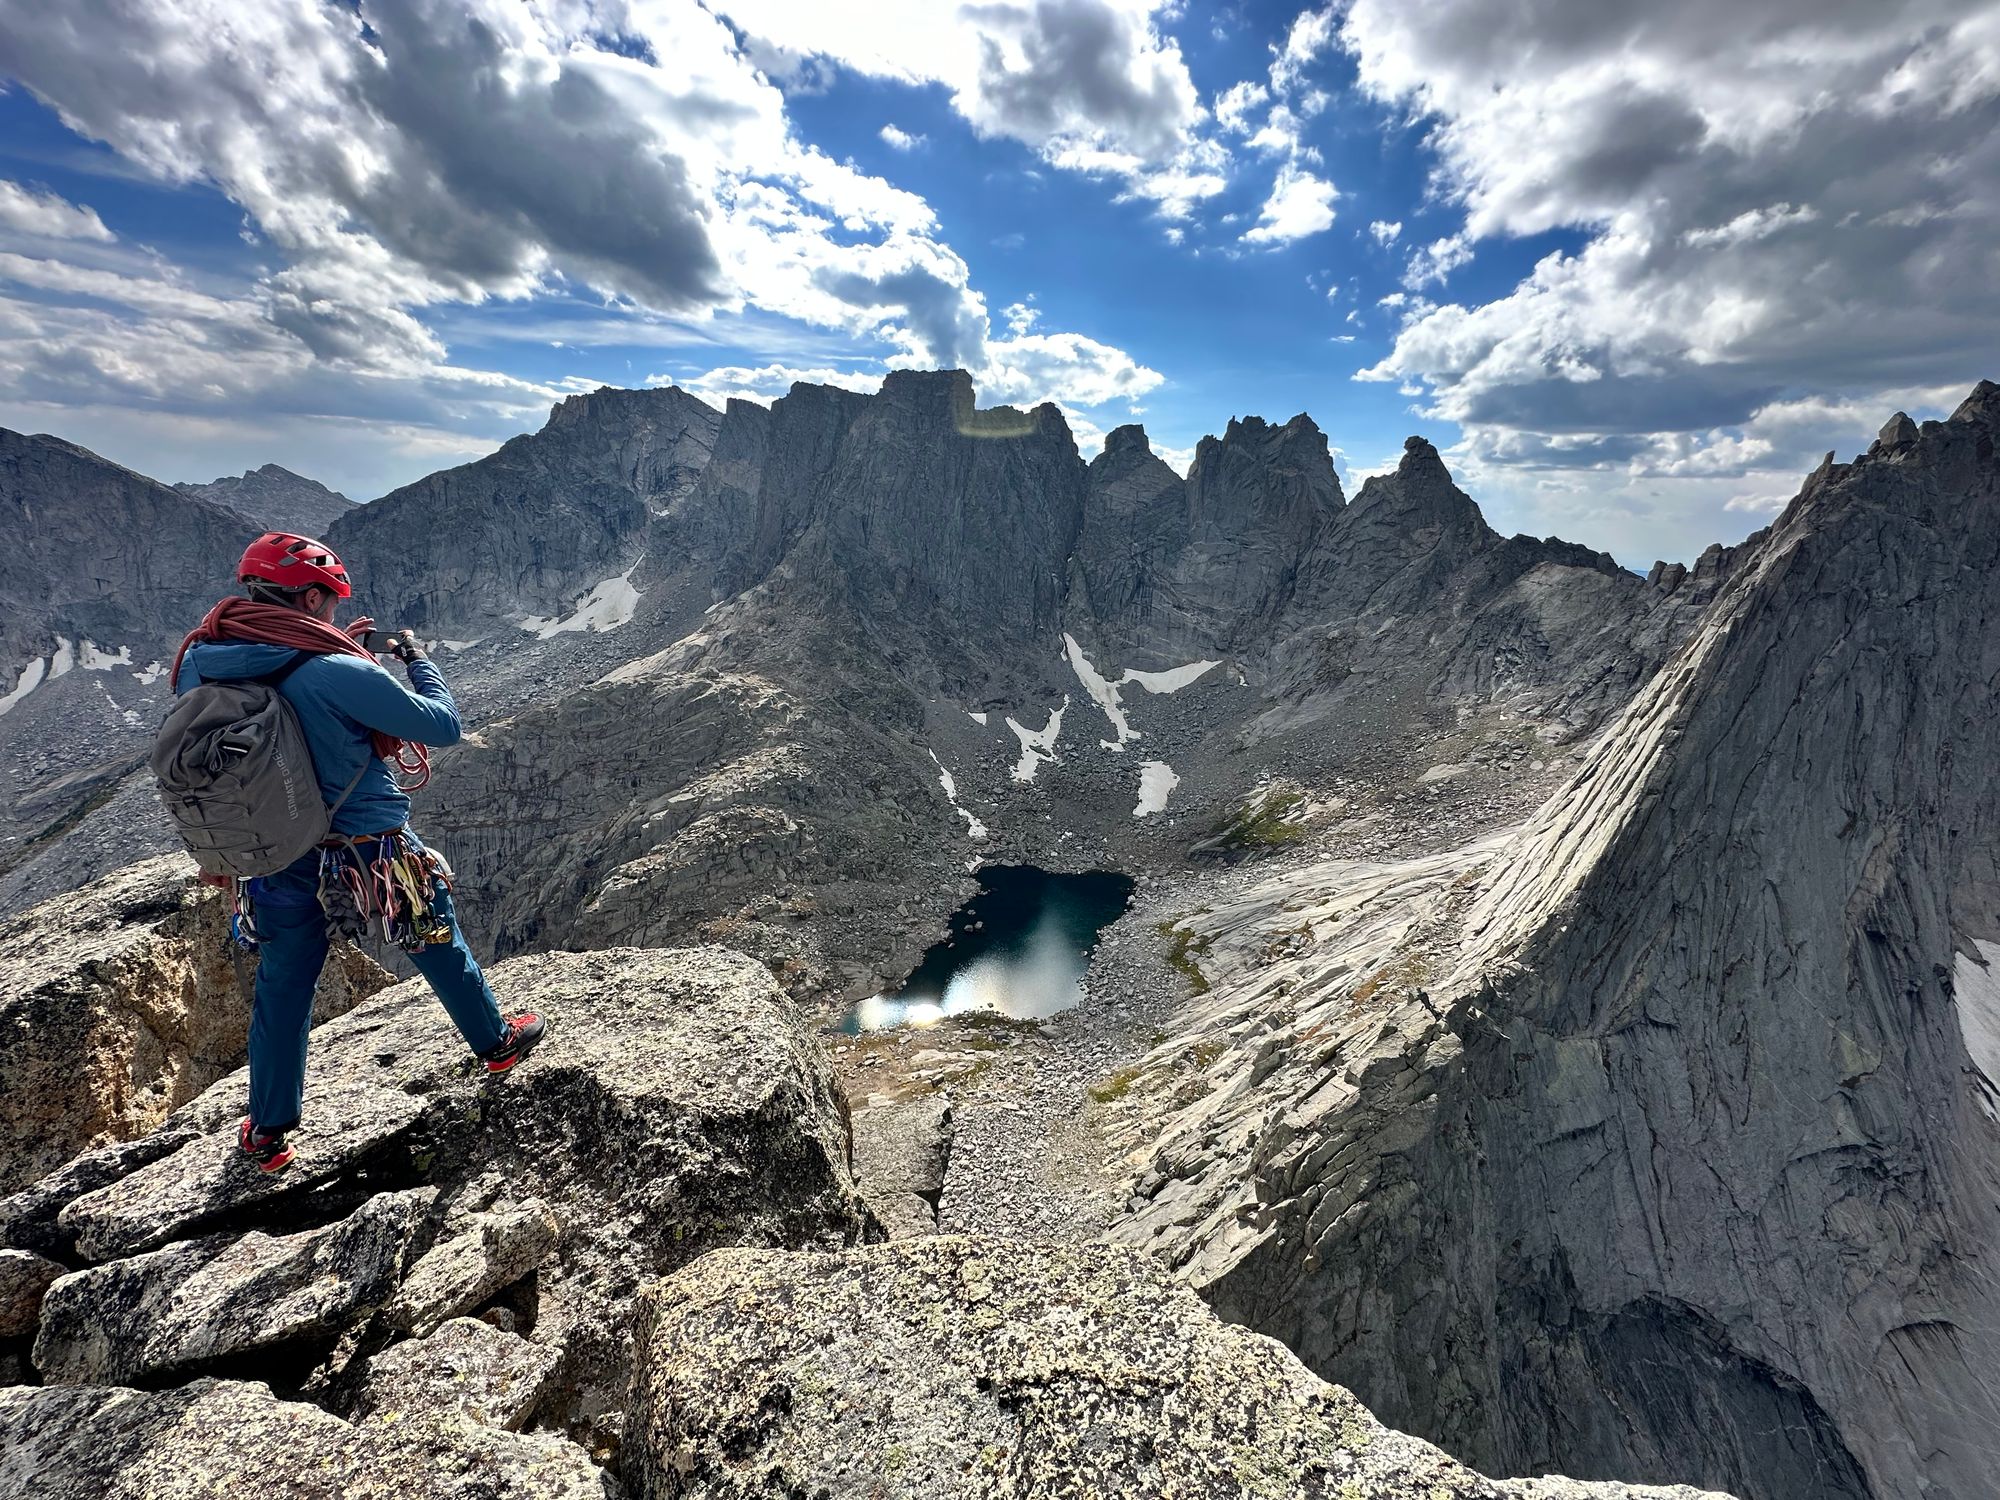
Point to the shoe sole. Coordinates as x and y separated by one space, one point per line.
277 1163
503 1064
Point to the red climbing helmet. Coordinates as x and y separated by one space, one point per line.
286 561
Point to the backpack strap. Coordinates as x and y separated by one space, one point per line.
342 798
277 678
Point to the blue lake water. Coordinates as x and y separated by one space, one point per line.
1019 949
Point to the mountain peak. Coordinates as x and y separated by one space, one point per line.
1130 438
1420 493
1983 404
273 496
1421 460
623 404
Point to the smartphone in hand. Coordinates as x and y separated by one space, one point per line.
401 644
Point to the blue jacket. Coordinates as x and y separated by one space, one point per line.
339 699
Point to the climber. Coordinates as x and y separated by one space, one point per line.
372 875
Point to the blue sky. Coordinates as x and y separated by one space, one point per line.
1640 276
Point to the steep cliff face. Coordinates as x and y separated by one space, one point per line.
275 499
90 551
1134 522
1210 563
524 531
880 550
101 572
913 506
1670 1122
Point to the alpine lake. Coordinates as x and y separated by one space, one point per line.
1018 949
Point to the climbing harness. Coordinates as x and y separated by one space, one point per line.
386 892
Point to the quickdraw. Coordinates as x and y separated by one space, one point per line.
243 919
383 888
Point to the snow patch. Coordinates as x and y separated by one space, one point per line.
973 827
1109 695
462 645
1170 681
150 674
60 663
1976 991
1102 692
977 718
30 679
611 604
1156 780
1037 745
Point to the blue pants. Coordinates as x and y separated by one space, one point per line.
293 945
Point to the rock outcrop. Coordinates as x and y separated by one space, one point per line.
677 1105
205 1302
275 499
902 1150
946 1367
1669 1123
118 1003
227 1437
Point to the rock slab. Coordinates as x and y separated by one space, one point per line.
221 1437
950 1367
491 1377
678 1103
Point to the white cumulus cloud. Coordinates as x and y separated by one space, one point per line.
1094 86
1797 197
417 156
1301 204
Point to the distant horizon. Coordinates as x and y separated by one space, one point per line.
1631 279
1350 483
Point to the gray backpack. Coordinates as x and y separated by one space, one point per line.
237 778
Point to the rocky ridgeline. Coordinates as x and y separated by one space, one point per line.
886 567
275 499
457 1290
1667 1124
831 585
524 530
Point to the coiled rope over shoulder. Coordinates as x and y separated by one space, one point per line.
239 619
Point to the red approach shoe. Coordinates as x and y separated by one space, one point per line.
523 1031
268 1148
